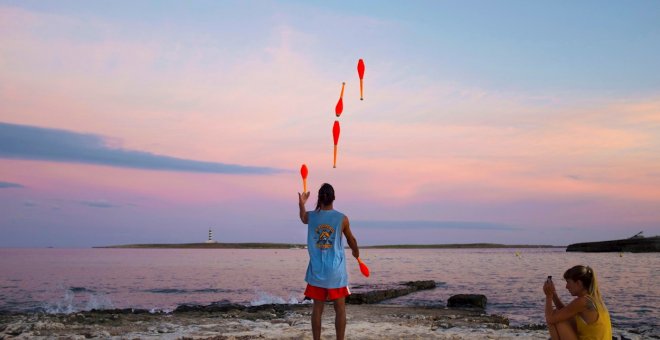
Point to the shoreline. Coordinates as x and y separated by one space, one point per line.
274 321
265 321
258 245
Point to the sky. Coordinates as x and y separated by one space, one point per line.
510 122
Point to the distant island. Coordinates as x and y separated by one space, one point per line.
461 246
635 244
256 245
206 245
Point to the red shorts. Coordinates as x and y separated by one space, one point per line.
326 294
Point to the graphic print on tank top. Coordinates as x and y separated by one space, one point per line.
324 234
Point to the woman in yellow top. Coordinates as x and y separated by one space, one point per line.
586 317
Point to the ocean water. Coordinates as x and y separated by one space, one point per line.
70 280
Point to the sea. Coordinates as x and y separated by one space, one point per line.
55 280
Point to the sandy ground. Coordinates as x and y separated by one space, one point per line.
269 322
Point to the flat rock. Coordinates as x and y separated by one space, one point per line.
467 300
376 293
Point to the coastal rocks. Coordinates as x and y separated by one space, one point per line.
465 319
376 294
533 326
40 325
467 300
16 328
634 244
212 308
234 311
369 322
420 285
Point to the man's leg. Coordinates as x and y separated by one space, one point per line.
340 317
317 312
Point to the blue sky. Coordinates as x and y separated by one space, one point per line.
500 121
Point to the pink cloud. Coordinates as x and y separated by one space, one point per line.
413 140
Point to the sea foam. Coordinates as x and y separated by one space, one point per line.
264 298
78 300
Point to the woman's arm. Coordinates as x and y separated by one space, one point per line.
302 199
548 308
557 300
567 312
549 289
350 239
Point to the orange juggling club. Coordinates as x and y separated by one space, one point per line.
361 74
340 104
335 136
363 268
303 173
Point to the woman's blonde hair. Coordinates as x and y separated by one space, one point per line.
587 276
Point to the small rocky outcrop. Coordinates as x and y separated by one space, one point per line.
467 300
375 294
212 308
633 245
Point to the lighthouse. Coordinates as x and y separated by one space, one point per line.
211 240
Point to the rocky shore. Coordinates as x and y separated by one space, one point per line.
365 320
263 322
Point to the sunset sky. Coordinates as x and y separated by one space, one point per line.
483 121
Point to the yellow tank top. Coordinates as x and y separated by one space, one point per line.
599 330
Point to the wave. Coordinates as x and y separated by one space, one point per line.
80 299
265 298
81 290
77 299
186 291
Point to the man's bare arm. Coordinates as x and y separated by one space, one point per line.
350 239
302 199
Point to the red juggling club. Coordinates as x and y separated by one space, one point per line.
363 268
360 69
340 104
335 136
303 173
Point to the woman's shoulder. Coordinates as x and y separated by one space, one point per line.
584 302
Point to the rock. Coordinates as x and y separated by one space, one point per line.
40 325
15 328
278 309
75 337
467 300
120 311
25 336
420 285
103 334
632 244
378 295
212 308
533 326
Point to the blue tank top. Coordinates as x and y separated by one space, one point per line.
327 261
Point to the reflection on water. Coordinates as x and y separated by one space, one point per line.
66 280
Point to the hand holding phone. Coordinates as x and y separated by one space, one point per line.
548 286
